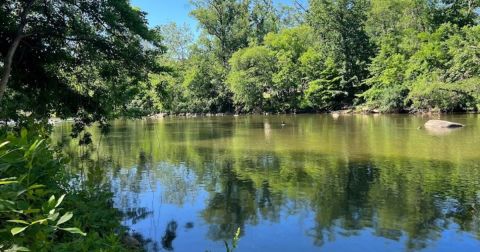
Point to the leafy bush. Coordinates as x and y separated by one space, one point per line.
42 209
436 70
441 96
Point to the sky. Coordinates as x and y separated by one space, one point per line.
166 11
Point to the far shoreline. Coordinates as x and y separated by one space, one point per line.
56 120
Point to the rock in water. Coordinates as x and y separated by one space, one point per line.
442 124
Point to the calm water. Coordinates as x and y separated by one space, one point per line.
351 183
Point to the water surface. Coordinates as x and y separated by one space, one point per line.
319 183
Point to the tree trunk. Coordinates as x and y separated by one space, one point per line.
7 64
7 67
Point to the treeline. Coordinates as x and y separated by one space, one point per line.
390 56
95 61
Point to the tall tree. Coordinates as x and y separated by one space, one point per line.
340 27
177 39
264 18
73 57
459 12
227 21
396 16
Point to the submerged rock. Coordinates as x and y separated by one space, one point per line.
442 124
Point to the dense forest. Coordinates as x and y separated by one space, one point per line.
387 56
98 60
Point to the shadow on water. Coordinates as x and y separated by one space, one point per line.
170 235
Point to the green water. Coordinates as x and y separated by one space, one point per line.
347 183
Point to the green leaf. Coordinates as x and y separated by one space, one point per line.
16 248
53 216
41 221
35 145
21 192
51 201
66 217
3 144
17 230
36 186
60 200
22 204
7 202
74 231
7 182
19 222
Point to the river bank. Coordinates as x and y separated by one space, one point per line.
333 112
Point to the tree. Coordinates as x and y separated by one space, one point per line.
204 80
177 39
426 71
288 81
291 16
326 87
387 89
74 58
227 21
250 78
264 18
394 17
461 13
340 28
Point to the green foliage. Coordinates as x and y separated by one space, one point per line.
326 90
388 90
432 94
461 13
264 18
289 73
31 174
83 59
177 39
340 28
331 64
391 17
227 21
204 85
288 81
250 78
98 60
426 71
199 83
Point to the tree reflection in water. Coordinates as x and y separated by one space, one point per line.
170 235
350 174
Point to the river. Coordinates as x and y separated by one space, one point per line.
317 183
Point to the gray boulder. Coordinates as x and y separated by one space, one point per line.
442 124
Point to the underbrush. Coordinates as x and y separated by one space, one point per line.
45 208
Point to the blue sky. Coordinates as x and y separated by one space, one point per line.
166 11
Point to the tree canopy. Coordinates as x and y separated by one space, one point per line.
82 59
391 56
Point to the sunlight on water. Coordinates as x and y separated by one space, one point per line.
347 183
